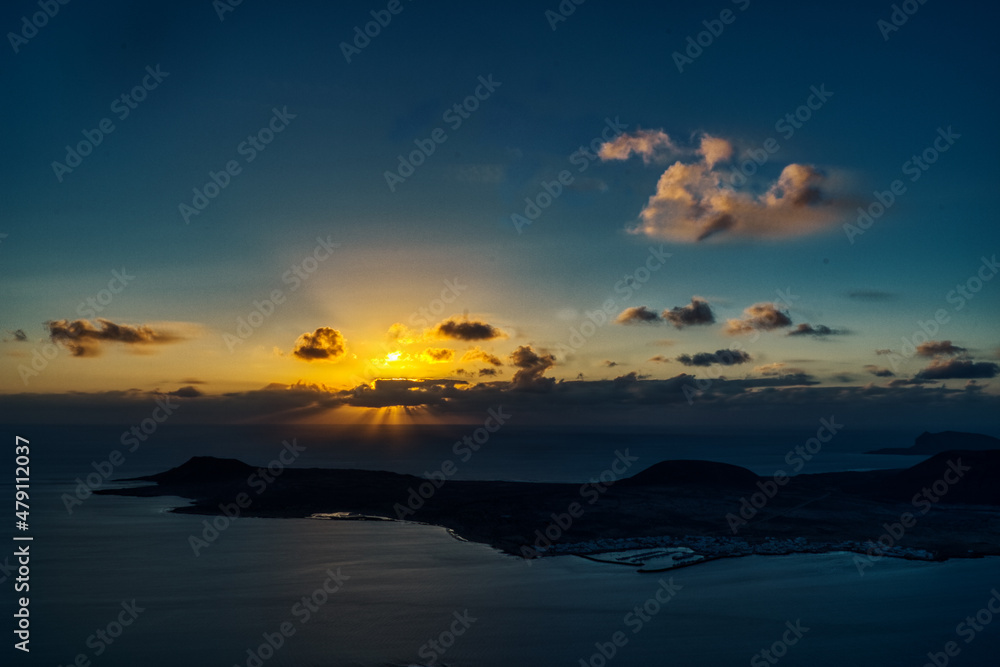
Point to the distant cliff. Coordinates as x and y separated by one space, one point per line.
935 443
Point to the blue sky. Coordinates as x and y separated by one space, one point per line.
323 176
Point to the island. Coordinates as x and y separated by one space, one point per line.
935 443
672 514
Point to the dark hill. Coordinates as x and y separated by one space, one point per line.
200 469
947 472
702 473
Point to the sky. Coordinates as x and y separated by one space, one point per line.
619 212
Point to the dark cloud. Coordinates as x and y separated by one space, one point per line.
324 344
437 355
467 330
932 348
637 315
531 369
883 351
186 392
760 316
879 372
193 381
817 330
870 295
475 354
696 312
902 382
721 357
662 359
19 336
958 369
484 372
84 339
407 393
609 363
751 403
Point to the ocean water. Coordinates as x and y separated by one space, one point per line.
402 586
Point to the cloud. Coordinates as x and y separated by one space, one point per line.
883 351
467 330
19 336
609 363
696 312
818 330
736 404
324 344
871 295
760 316
400 333
693 201
531 368
661 359
958 369
637 315
488 372
84 339
933 348
437 355
186 392
650 145
721 357
475 354
777 368
901 382
879 372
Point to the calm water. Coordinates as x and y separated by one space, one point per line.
404 583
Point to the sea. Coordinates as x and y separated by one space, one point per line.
116 581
